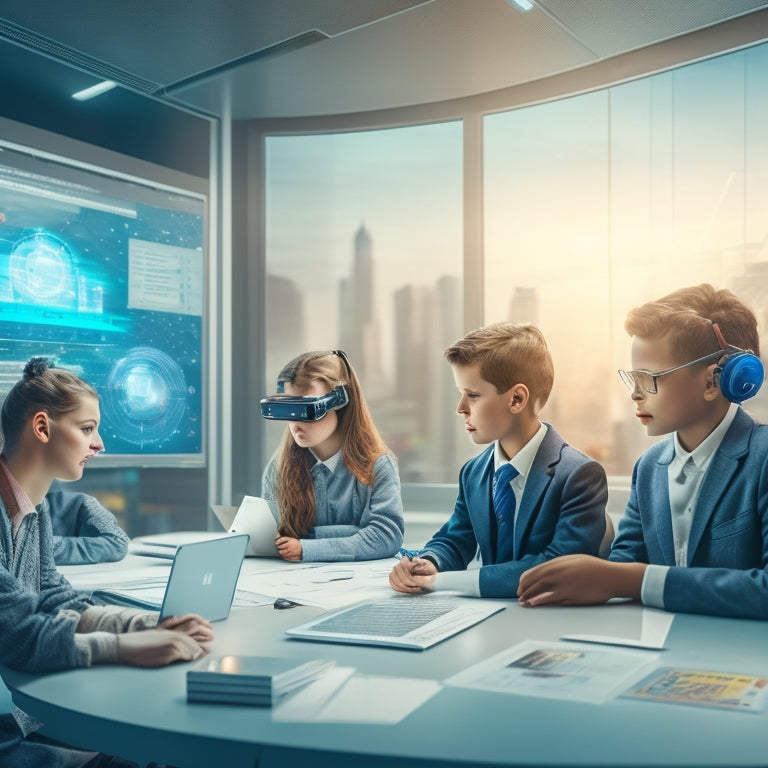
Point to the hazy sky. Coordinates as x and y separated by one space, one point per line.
599 202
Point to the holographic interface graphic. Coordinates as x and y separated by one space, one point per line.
107 277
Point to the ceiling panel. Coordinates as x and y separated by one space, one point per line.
609 28
174 39
439 51
369 54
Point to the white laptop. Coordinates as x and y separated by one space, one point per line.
203 580
401 621
254 516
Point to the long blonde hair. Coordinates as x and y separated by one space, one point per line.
361 443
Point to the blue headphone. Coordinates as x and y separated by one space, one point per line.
739 374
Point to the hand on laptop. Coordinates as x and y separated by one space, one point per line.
413 576
157 648
191 624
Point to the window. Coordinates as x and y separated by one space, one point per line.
592 204
600 202
364 252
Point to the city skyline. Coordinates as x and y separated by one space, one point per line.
590 206
414 402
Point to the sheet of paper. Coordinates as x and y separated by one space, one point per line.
324 585
304 704
144 579
343 697
132 570
579 672
652 635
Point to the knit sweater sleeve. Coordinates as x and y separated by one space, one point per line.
99 627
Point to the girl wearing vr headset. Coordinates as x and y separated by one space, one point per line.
694 536
50 421
335 482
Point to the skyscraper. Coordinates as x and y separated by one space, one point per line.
358 324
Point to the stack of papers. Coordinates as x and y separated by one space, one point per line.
254 680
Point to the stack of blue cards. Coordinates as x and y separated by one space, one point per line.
252 680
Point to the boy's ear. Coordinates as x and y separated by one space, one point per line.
41 426
712 390
517 398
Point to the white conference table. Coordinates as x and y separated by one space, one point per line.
143 714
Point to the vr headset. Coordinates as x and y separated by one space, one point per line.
284 407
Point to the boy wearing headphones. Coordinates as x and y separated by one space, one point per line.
694 537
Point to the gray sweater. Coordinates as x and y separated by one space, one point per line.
84 531
353 521
45 624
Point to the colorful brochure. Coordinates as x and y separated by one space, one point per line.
706 688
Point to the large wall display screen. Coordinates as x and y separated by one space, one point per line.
105 274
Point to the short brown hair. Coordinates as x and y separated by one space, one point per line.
685 318
508 354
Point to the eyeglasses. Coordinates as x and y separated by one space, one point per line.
649 382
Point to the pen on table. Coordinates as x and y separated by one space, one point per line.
160 544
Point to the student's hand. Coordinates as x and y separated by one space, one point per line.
191 624
413 576
157 648
579 580
288 548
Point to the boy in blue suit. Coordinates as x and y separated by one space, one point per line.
694 537
555 499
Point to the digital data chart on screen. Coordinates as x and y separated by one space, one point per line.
106 275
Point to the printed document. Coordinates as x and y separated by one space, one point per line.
557 670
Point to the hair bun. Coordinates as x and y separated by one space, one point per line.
37 366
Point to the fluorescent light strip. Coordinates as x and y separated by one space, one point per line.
523 5
94 90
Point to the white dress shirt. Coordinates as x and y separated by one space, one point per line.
684 477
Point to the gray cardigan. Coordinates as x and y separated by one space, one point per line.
40 608
84 531
353 521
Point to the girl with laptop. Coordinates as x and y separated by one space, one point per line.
50 429
335 482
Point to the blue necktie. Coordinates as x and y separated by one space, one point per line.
504 509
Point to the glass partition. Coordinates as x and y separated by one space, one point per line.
364 252
600 202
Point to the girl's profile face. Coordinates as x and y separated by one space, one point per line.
319 436
74 439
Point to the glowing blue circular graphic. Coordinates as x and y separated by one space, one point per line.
42 270
145 396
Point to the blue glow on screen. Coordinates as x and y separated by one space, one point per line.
113 292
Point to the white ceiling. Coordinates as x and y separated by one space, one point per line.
290 58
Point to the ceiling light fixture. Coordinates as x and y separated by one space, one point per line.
523 5
94 90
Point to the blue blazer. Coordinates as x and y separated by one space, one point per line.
728 545
562 512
